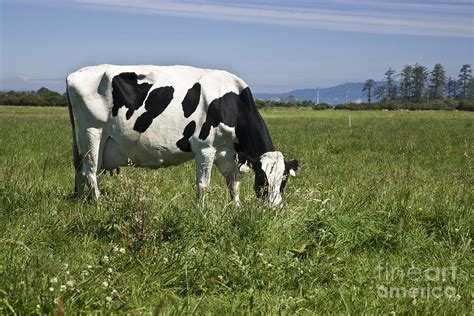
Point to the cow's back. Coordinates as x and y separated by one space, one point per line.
150 112
92 87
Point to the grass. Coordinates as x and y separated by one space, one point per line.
378 219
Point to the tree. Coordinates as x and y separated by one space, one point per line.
452 88
391 86
369 88
437 82
464 77
406 85
419 81
380 92
470 90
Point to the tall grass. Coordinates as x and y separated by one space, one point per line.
384 204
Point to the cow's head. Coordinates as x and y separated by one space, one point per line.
271 174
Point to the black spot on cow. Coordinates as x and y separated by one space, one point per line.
289 165
221 110
239 111
184 143
191 100
155 104
261 181
127 92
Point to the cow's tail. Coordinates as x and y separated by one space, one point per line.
75 149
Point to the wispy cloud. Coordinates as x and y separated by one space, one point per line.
429 18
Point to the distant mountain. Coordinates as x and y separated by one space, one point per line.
331 95
25 84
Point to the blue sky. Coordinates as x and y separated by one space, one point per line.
275 46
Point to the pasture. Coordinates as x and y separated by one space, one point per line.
378 219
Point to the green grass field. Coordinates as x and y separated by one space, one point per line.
378 219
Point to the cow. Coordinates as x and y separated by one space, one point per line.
160 116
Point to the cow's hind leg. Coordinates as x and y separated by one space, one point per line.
204 161
90 141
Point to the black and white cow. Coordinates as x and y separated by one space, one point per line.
158 116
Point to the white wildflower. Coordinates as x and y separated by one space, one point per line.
66 273
70 283
51 289
65 266
38 306
53 280
165 260
105 284
108 299
115 249
63 288
89 266
114 293
122 250
105 259
109 270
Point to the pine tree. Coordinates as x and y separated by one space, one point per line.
369 88
380 92
419 82
390 83
452 88
406 85
464 78
470 89
437 82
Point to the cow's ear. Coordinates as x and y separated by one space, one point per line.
291 167
244 162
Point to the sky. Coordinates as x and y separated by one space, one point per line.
275 46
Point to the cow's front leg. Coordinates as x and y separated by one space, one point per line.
234 189
227 165
204 160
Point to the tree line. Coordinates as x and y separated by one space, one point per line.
42 97
414 88
391 105
416 83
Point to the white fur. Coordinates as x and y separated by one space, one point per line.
273 164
